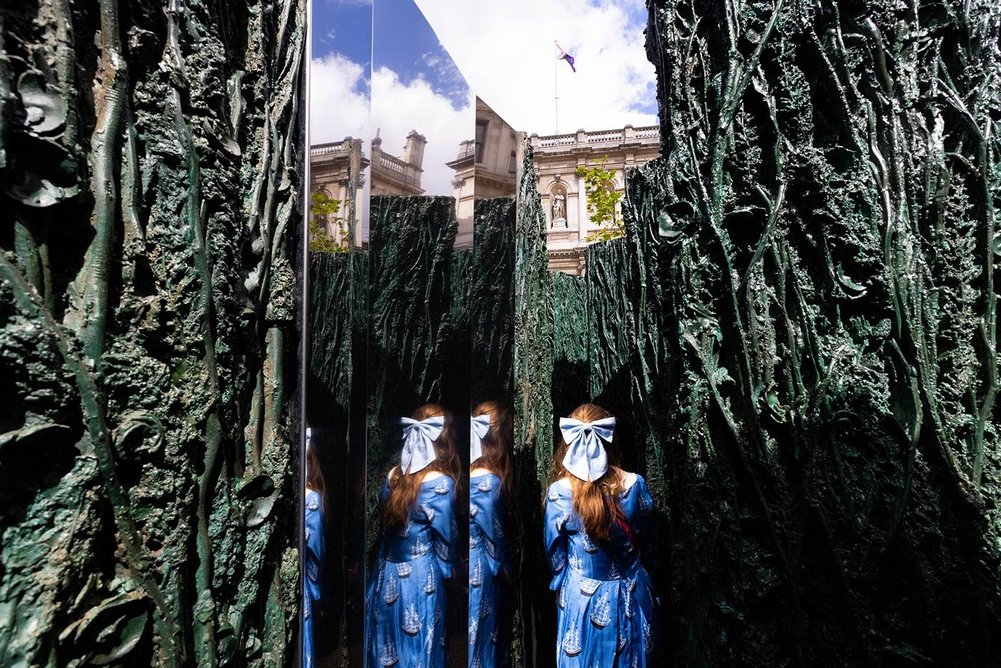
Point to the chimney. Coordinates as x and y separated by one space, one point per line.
413 151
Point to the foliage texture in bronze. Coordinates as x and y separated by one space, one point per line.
151 223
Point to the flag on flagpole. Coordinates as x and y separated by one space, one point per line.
563 55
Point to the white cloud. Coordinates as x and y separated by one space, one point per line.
505 50
338 99
339 108
398 108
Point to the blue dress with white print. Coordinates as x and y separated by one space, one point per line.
314 566
406 597
606 614
489 632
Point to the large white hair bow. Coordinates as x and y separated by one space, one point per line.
418 442
479 425
586 458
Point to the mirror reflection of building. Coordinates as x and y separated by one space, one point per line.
491 437
392 175
406 600
313 535
494 154
337 172
598 526
484 167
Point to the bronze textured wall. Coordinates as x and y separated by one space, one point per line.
150 155
335 415
814 260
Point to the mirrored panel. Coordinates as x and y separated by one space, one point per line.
339 166
419 254
494 548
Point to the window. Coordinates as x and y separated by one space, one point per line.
481 136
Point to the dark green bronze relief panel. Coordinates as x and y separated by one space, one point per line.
817 250
150 233
533 419
410 321
336 420
491 300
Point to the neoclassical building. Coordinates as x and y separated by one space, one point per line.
562 191
486 167
398 176
334 165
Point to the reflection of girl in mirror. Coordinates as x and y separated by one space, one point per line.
315 491
597 528
489 487
406 598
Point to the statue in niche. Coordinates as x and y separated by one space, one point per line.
559 209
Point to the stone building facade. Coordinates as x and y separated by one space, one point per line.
564 198
335 165
398 176
485 167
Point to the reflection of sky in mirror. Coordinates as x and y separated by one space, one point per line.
340 70
416 86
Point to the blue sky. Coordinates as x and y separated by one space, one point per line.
343 27
504 50
404 42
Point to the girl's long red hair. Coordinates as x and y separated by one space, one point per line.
596 503
496 456
404 487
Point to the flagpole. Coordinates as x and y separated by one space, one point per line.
556 97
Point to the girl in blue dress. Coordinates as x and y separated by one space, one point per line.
406 597
313 534
489 567
598 525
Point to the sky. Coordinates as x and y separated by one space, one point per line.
431 57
